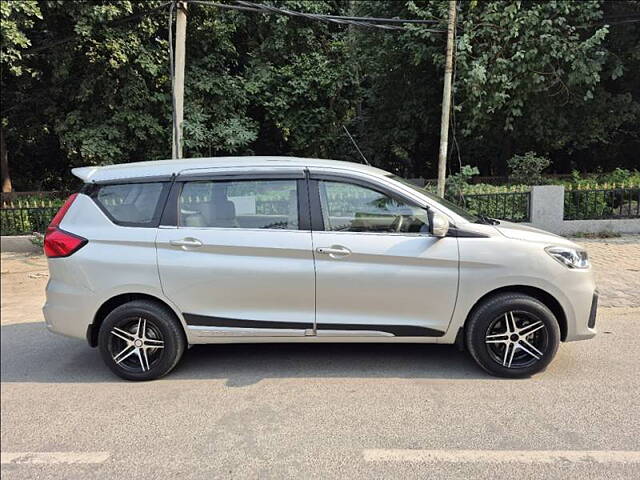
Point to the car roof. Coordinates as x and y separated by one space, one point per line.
167 168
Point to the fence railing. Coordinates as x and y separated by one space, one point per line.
28 212
8 198
28 216
24 221
511 206
600 204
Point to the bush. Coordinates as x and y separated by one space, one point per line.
527 168
458 183
37 239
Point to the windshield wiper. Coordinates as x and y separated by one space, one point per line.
487 220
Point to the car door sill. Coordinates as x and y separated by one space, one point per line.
224 339
353 333
201 331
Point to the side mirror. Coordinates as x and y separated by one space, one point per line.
438 224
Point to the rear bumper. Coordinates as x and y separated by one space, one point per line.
67 311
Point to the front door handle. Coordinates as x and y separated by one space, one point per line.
334 251
186 242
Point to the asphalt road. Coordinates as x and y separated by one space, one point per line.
320 411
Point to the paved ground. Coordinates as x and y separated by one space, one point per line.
616 262
322 411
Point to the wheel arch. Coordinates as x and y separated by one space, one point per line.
543 296
114 302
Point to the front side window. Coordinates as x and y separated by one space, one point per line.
352 208
445 203
131 203
270 204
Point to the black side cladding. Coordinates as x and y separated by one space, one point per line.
396 330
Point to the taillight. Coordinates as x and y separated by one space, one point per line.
55 222
58 243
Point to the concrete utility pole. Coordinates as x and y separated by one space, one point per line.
181 37
446 100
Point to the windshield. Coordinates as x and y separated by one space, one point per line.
445 203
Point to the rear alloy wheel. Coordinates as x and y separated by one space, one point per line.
136 345
513 335
140 340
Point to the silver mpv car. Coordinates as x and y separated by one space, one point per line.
152 257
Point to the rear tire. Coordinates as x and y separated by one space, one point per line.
512 335
141 340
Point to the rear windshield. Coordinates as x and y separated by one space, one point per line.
131 204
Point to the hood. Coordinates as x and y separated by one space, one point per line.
518 231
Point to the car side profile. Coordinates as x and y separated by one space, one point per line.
151 257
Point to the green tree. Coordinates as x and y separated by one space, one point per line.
538 76
16 19
91 85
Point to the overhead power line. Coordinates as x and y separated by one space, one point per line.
111 23
366 22
622 22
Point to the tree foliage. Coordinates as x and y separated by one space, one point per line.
91 85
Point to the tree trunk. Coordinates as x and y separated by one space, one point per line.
506 154
4 165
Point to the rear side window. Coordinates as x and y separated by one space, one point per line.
269 204
132 204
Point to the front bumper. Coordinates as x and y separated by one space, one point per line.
583 324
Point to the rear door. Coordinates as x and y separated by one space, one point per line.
379 272
239 261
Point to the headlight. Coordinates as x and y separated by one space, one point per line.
569 257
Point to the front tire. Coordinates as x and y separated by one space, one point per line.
512 335
141 340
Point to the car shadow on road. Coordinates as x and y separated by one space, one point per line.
31 354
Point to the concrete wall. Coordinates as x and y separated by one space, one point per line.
18 244
547 213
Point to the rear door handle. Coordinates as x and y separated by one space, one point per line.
334 251
186 242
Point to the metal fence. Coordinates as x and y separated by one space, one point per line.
601 204
24 221
23 218
511 206
22 197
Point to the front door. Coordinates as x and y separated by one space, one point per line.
240 262
378 270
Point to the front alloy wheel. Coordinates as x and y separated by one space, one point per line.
512 335
517 339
